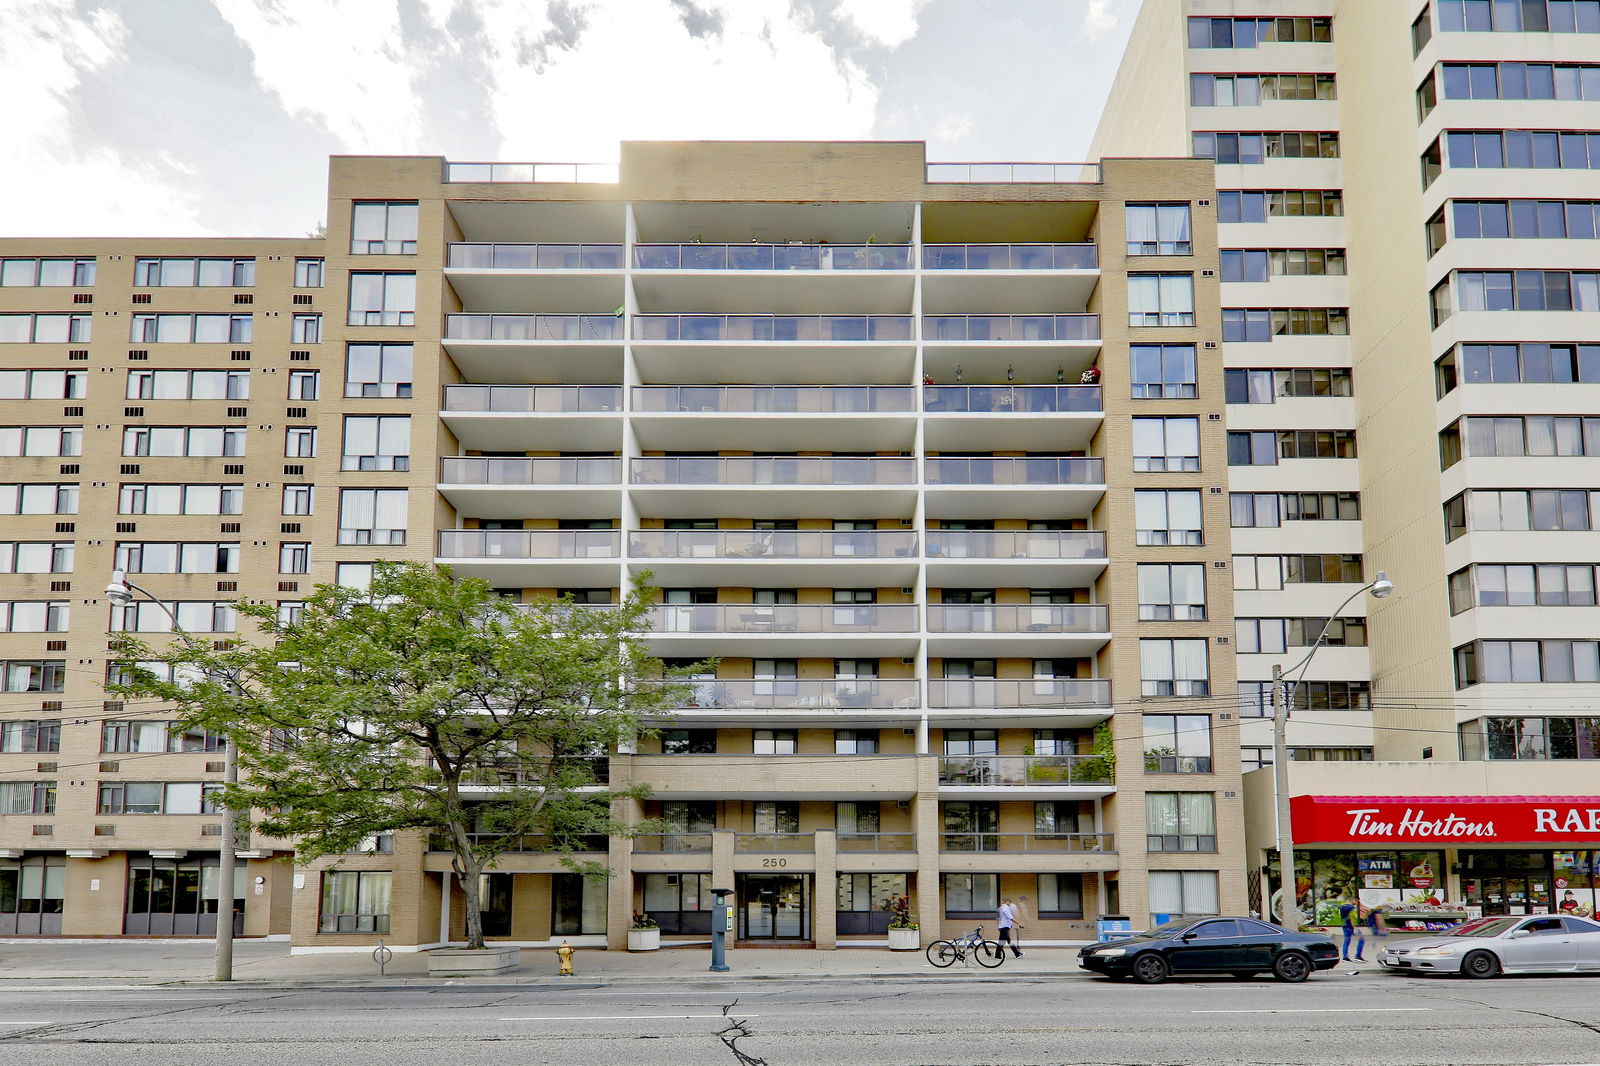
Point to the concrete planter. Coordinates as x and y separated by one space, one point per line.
905 939
460 962
644 939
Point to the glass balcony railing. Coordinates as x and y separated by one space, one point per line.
544 399
1010 257
784 618
988 692
1010 328
1010 173
774 399
672 842
1007 399
772 327
772 256
532 327
773 470
1017 618
529 543
770 842
1016 544
495 470
771 544
1035 842
1025 770
876 842
784 693
536 256
1018 470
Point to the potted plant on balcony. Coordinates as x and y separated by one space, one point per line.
904 934
644 934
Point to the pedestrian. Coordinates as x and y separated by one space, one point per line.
1007 921
1350 920
1020 917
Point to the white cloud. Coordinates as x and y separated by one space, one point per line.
889 23
1098 19
50 181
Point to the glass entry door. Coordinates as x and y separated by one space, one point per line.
774 906
1508 882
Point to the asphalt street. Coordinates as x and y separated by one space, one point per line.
955 1018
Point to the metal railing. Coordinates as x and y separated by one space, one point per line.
779 842
1019 470
1013 173
566 173
980 692
772 256
543 399
1016 544
1018 618
853 328
1035 842
772 470
469 327
1010 257
529 543
1008 399
487 256
784 618
530 842
497 470
792 693
771 544
1024 770
672 842
936 328
868 842
778 399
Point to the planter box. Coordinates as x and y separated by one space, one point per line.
644 939
905 939
459 962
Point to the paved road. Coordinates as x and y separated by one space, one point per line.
949 1019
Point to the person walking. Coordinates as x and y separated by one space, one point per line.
1007 921
1350 920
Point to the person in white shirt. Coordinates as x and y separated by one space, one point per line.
1007 921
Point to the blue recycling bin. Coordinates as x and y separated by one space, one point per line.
1159 919
1112 927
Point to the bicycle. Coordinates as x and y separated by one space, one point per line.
947 952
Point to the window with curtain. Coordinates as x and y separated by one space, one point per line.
1177 743
1166 444
1167 516
1180 821
1160 299
1183 892
1174 667
378 299
967 895
1172 592
380 442
1060 896
372 516
1159 229
355 901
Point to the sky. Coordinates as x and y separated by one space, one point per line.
216 117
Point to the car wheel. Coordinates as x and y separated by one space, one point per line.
1292 967
1150 969
1481 964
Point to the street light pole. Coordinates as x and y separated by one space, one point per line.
1282 696
120 592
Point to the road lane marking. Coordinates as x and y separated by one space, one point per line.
1317 1010
622 1017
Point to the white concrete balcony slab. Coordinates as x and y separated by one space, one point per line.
1008 278
773 486
512 487
574 349
784 630
535 417
1021 486
535 277
1005 629
532 558
787 417
989 417
802 558
1014 558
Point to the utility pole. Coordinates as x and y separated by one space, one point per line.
1290 905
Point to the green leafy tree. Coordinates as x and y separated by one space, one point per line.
390 708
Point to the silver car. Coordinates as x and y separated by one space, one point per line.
1488 947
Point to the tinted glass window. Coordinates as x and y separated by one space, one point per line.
1213 930
1545 926
1253 929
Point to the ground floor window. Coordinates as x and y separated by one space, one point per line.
577 905
865 902
32 894
1183 892
971 895
355 901
178 896
1325 880
1060 895
680 903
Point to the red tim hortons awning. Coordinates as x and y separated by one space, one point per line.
1562 821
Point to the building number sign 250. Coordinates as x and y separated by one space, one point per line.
768 864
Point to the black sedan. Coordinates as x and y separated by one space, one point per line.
1243 947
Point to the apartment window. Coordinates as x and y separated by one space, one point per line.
862 900
383 228
968 669
294 558
1272 571
1266 447
1522 149
290 612
857 818
377 370
41 440
1527 662
857 669
1159 229
304 384
377 442
1526 219
29 737
356 576
33 675
1054 819
1060 896
1177 743
1271 509
1255 699
45 329
1166 444
1421 31
224 273
971 742
1160 299
1167 516
382 299
156 797
1293 203
1520 81
1258 324
971 826
1172 592
181 499
1513 435
1522 585
1249 148
1530 738
1276 635
168 557
191 329
688 741
308 273
1248 90
1183 892
146 616
779 817
855 742
306 329
1255 448
774 742
1525 290
300 442
1243 264
38 499
299 499
372 516
188 384
1248 32
1261 264
971 895
1053 741
36 557
43 384
1518 509
34 616
1163 371
1240 206
54 273
209 441
27 797
1528 16
1180 821
1174 667
355 901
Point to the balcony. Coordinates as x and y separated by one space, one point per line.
734 700
1013 278
569 349
530 842
1062 558
1010 173
842 487
672 843
774 399
535 277
791 843
1085 774
818 558
1066 330
1041 629
877 843
486 256
1021 486
1054 347
815 776
1064 702
1034 843
773 329
851 257
860 279
534 417
532 558
761 630
815 348
511 487
989 417
788 417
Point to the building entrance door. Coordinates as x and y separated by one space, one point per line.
774 906
1508 882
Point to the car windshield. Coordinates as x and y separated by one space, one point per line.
1484 927
1171 928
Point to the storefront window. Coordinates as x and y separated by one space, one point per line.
1328 879
1575 876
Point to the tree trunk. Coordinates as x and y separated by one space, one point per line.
469 871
